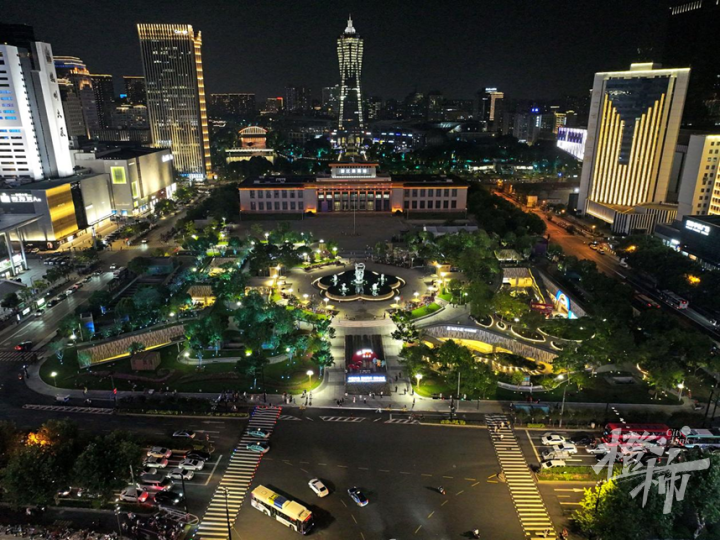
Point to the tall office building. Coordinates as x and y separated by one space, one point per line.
34 139
175 88
134 89
73 70
298 99
350 115
489 108
699 190
632 133
104 98
692 40
331 100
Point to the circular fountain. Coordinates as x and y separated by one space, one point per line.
359 284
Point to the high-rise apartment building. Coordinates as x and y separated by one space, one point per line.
134 89
34 140
691 40
331 100
273 105
175 88
72 70
373 107
632 133
104 98
350 115
435 106
224 105
298 99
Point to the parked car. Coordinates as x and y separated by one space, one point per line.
259 447
318 487
565 447
552 464
260 433
159 452
192 465
198 454
170 498
180 474
132 494
157 463
551 439
185 433
357 496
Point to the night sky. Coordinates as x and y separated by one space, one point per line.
528 49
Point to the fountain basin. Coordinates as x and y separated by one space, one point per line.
347 287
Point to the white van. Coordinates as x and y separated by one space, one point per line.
155 482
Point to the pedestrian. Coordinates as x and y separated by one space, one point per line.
353 399
382 392
365 401
502 436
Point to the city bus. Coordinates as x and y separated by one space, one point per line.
290 513
659 434
674 300
698 438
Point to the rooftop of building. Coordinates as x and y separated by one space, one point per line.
410 180
713 221
128 153
49 183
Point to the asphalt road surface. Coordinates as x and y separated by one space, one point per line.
398 467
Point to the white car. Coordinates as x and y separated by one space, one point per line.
192 465
552 464
598 450
551 439
318 487
156 462
134 495
180 474
568 447
159 452
185 433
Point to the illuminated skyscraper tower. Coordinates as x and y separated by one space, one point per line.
175 90
350 118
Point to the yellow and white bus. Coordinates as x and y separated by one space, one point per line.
292 514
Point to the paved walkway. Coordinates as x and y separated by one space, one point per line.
531 511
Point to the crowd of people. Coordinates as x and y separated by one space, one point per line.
54 533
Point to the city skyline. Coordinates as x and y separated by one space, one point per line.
456 52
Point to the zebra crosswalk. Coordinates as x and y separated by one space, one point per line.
401 421
69 409
288 417
530 508
341 419
237 478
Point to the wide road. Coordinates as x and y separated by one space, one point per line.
398 467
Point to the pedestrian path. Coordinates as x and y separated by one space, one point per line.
237 478
341 419
68 409
531 511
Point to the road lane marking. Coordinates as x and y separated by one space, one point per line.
303 470
362 535
345 505
213 471
343 466
571 503
423 474
444 503
383 470
431 514
322 463
459 492
471 479
403 472
355 520
448 477
418 529
305 462
363 468
475 484
532 444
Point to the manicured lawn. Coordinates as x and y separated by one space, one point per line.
424 310
287 376
574 329
445 296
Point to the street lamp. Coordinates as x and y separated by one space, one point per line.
309 373
53 375
680 387
397 299
227 510
419 377
238 303
562 407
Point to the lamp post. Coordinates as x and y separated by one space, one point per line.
562 407
309 373
419 377
227 510
53 375
680 387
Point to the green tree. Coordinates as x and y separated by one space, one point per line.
135 347
509 306
10 441
58 349
139 265
10 301
104 464
32 476
165 207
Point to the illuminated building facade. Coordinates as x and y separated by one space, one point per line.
632 134
355 187
134 89
76 88
34 142
572 141
175 92
699 192
104 98
350 114
239 104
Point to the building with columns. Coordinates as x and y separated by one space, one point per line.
355 187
